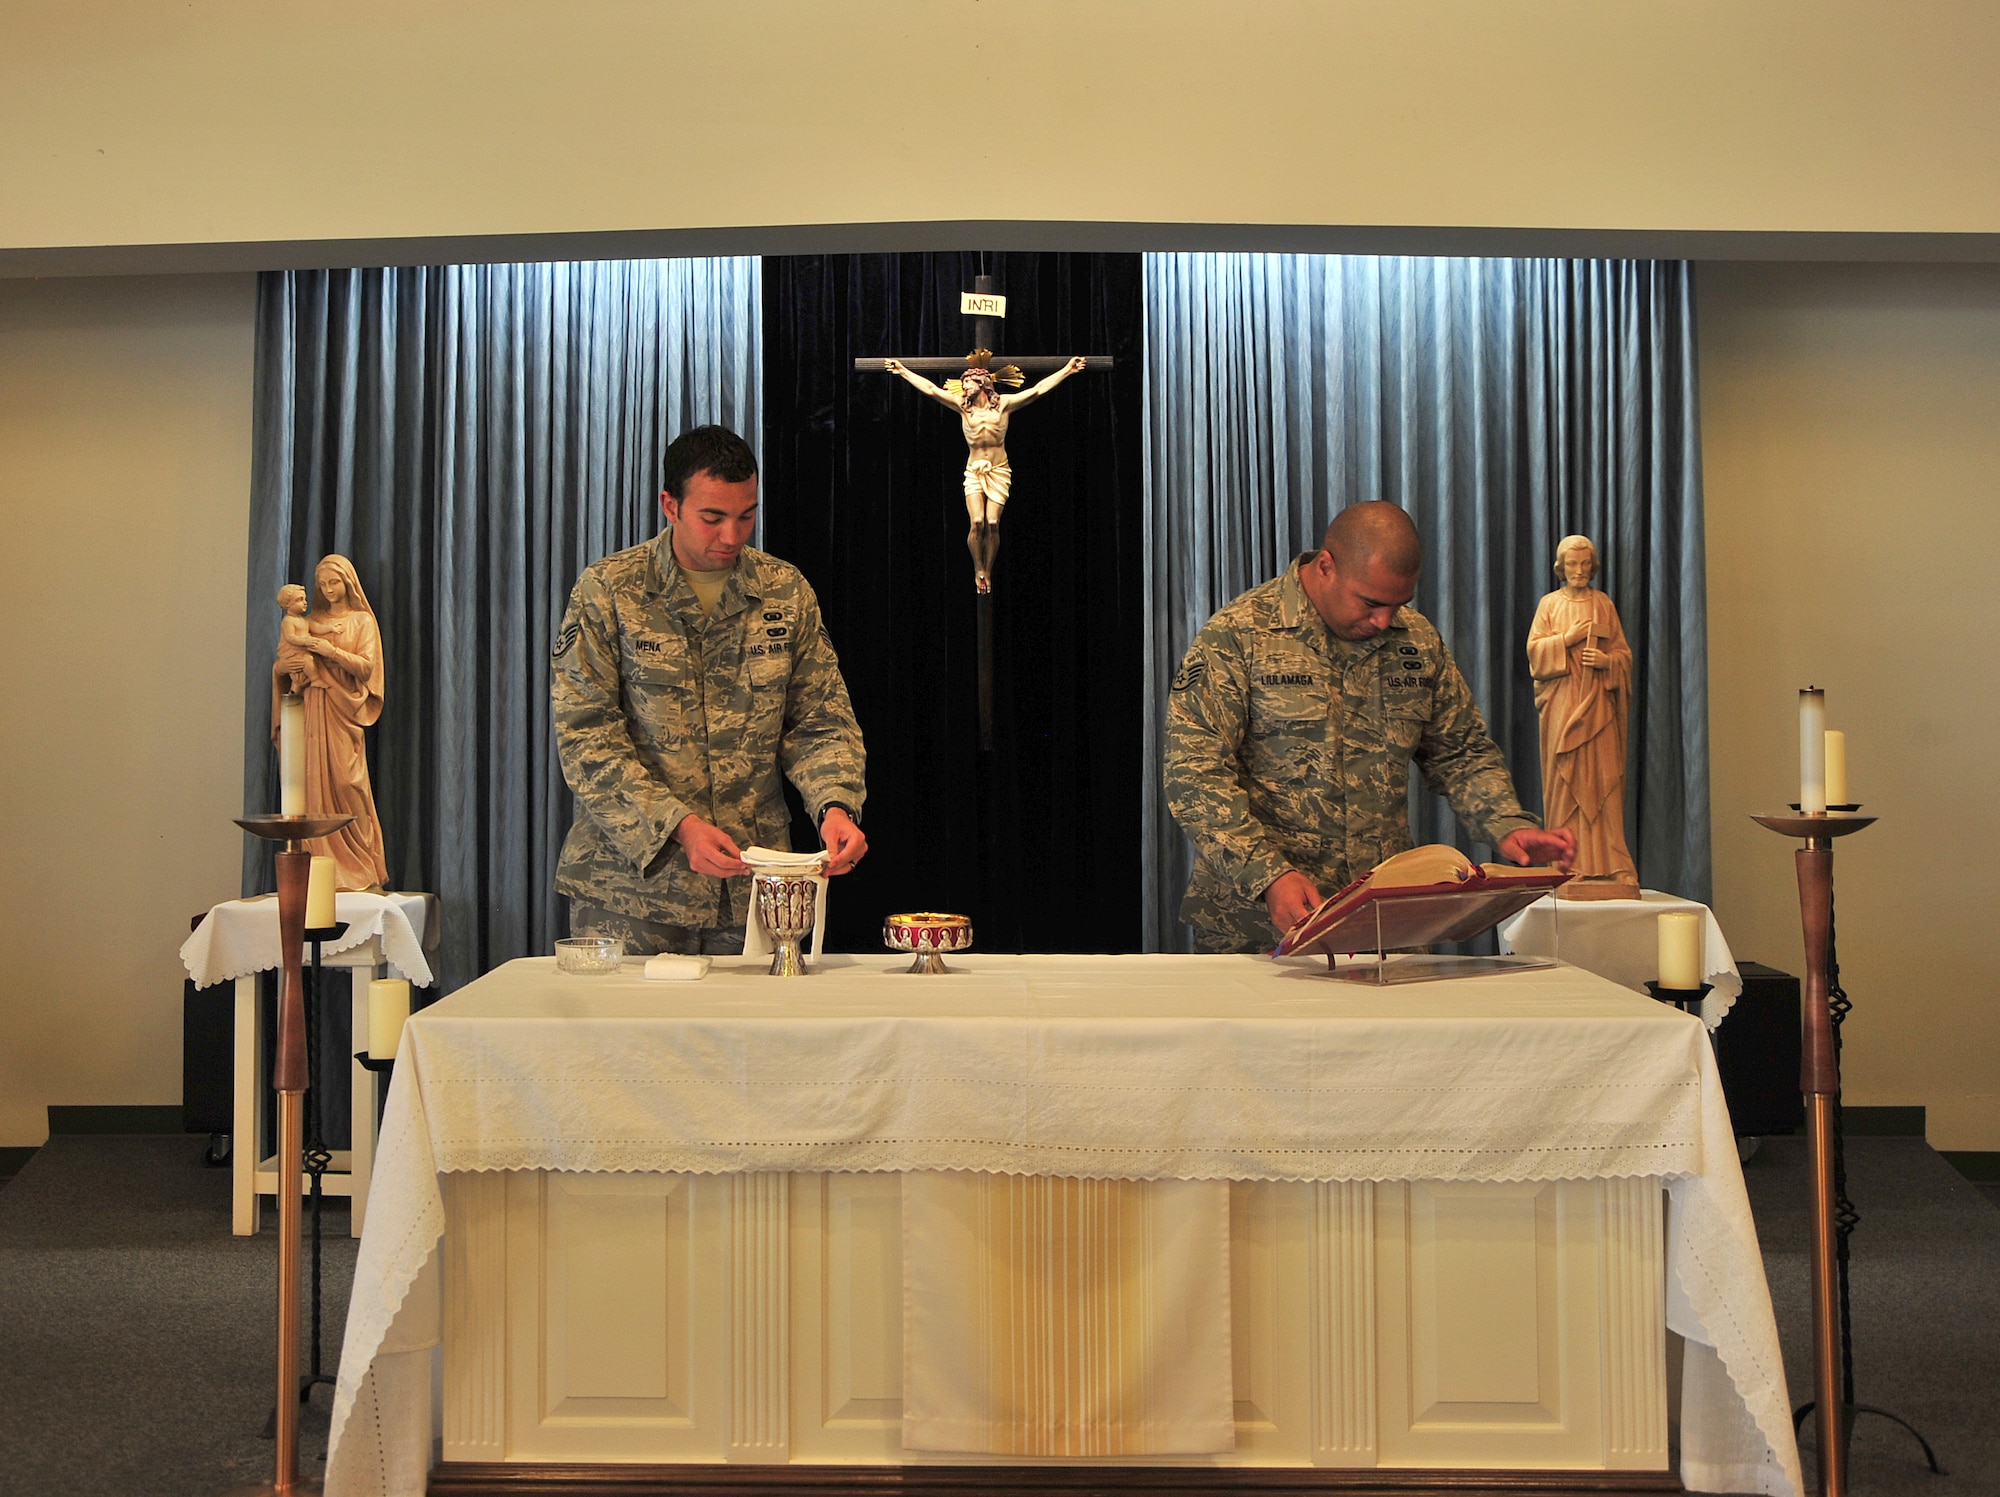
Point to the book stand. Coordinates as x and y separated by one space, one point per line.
1377 923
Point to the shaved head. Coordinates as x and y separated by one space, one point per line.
1375 534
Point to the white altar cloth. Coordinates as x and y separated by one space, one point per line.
1620 939
1136 1067
240 936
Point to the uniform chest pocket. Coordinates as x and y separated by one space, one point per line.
659 690
650 665
1408 702
769 665
1289 693
768 637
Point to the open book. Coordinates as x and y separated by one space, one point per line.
1418 898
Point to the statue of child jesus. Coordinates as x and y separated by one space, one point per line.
295 659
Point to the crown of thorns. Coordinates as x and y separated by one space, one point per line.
1006 374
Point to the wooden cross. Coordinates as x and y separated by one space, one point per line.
984 412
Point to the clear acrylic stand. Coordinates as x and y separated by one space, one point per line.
1422 920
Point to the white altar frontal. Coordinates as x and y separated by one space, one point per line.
1055 1210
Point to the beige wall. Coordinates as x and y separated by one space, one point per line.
1851 432
125 122
124 515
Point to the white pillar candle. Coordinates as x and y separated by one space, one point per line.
1812 751
1836 768
291 756
319 894
1680 950
388 1007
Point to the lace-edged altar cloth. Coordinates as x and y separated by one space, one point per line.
1133 1067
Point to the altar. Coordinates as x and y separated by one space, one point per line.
662 1225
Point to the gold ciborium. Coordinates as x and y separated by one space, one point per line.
928 935
788 904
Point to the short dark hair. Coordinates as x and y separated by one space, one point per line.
714 450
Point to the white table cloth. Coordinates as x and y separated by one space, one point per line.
1620 939
240 936
1140 1067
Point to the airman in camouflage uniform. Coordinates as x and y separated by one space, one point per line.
1288 749
663 712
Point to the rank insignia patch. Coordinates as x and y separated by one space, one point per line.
1189 674
565 641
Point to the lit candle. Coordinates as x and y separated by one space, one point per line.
1836 768
388 1007
1812 751
291 756
319 895
1680 950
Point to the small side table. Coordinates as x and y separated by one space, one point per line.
1619 939
253 1177
239 939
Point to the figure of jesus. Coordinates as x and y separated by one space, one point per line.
296 665
983 413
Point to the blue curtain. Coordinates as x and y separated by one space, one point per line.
472 437
1505 404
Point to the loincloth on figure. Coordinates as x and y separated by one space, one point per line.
988 480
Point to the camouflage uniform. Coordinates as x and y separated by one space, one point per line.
1289 748
660 712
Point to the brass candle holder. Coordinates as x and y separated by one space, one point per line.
289 1075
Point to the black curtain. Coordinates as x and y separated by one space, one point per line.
1039 839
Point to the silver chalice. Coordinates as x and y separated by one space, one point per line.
788 904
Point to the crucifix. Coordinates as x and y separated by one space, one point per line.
984 413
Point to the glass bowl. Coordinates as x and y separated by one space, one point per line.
589 956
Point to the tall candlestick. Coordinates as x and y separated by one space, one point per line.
291 756
319 895
1812 752
388 1007
1680 933
1836 768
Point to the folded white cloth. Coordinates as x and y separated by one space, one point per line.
670 966
240 936
757 940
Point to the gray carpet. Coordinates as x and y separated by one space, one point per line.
1926 1283
135 1332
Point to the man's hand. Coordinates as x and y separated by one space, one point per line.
1530 844
1290 900
845 846
709 849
